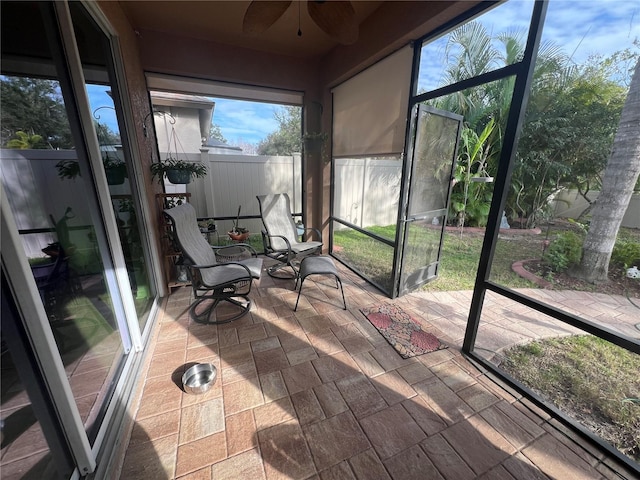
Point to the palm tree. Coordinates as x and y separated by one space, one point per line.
620 177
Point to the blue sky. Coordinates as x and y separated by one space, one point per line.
580 27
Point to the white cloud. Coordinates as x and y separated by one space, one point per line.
580 27
244 121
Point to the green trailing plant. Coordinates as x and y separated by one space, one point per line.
70 169
160 169
564 251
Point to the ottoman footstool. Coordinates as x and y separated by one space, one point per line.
318 265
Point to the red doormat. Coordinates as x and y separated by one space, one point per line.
401 330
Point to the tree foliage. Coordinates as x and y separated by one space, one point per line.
287 139
569 125
34 106
216 134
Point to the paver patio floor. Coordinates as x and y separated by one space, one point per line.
319 394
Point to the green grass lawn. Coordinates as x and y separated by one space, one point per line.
594 381
458 261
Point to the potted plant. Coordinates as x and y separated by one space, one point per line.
178 171
114 169
239 234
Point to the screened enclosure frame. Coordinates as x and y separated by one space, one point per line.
522 72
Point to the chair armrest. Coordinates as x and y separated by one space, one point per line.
200 267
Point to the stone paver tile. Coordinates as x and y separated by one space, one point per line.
391 431
285 453
445 458
273 386
227 337
435 358
368 365
307 407
411 462
357 344
520 467
242 395
235 355
346 330
167 362
367 466
524 426
247 465
202 474
424 415
325 343
241 434
489 447
341 471
499 473
240 371
361 397
335 439
443 400
155 459
264 344
334 367
157 403
270 360
201 420
415 372
388 358
153 428
293 340
251 333
200 453
477 397
453 376
330 399
393 387
273 413
300 377
305 354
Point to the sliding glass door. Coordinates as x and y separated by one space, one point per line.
80 282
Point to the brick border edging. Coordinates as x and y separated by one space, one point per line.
518 267
516 231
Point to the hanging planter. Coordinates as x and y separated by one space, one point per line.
238 234
179 176
177 171
116 175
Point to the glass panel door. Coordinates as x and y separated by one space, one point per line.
434 149
51 188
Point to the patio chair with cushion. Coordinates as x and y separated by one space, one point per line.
213 283
280 235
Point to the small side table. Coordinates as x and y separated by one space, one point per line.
232 253
318 265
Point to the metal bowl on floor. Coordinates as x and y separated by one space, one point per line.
199 378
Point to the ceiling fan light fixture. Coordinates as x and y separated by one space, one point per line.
335 18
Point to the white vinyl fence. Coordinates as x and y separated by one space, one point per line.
367 191
570 204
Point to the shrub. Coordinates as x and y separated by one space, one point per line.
626 253
564 251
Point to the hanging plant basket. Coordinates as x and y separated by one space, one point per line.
238 237
115 175
179 176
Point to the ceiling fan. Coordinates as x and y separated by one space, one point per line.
335 18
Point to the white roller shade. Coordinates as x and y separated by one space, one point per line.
370 109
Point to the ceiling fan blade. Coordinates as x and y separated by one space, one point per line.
335 18
260 15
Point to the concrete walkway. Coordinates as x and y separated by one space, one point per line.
505 323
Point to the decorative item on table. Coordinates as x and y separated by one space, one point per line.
238 234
